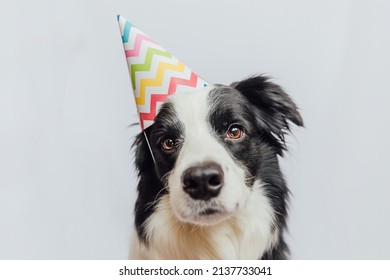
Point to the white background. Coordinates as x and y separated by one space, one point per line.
67 184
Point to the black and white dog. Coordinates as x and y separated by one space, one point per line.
216 190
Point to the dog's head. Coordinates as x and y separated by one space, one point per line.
210 147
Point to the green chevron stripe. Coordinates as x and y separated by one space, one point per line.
148 61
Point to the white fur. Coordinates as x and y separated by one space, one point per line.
245 235
201 146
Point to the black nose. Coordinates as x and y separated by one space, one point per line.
203 181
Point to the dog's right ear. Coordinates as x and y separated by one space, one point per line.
149 186
274 107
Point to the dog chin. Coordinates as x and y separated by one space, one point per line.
203 216
205 219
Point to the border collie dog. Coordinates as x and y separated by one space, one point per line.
214 189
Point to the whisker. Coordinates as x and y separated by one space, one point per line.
155 200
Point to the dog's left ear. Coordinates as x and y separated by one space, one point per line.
274 107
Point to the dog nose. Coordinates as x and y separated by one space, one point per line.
203 181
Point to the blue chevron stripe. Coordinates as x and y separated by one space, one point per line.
126 32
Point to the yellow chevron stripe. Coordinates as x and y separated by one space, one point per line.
158 81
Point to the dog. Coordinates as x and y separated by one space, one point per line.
210 185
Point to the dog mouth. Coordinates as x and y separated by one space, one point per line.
204 214
209 212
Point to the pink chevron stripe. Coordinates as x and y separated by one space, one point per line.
179 81
137 45
156 97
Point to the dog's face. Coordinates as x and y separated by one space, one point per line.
202 143
212 147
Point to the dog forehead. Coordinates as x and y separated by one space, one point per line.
199 101
200 109
193 106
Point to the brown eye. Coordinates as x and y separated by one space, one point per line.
234 132
167 144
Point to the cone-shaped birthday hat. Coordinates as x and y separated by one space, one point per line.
154 72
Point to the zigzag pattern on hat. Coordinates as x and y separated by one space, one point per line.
154 72
192 82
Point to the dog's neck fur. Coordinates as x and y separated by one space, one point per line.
247 235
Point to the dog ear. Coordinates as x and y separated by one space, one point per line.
143 159
274 107
149 185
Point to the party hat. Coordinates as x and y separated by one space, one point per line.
154 72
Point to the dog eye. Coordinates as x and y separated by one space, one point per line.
167 144
234 132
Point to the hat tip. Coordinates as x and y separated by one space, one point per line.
118 17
